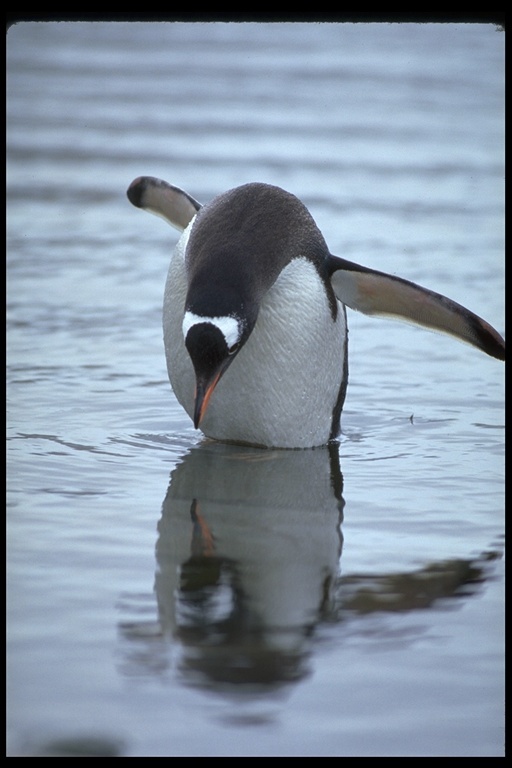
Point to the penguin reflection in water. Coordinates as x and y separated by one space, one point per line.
254 318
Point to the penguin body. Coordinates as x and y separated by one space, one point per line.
268 396
254 317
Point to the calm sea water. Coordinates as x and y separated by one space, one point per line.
168 596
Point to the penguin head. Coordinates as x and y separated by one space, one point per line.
212 344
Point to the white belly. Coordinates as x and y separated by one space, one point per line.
281 389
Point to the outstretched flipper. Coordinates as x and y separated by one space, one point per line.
376 293
171 203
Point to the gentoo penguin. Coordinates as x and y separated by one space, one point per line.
254 318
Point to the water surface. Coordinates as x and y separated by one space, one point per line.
172 597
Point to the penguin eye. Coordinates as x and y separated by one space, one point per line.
234 348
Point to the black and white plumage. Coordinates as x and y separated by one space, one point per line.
254 318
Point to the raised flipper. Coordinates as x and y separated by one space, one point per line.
157 196
376 293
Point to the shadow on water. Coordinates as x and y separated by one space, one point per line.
248 554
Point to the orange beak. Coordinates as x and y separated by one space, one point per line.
204 390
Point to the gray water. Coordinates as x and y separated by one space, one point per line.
169 596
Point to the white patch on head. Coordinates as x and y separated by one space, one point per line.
228 326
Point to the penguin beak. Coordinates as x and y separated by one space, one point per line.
204 390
